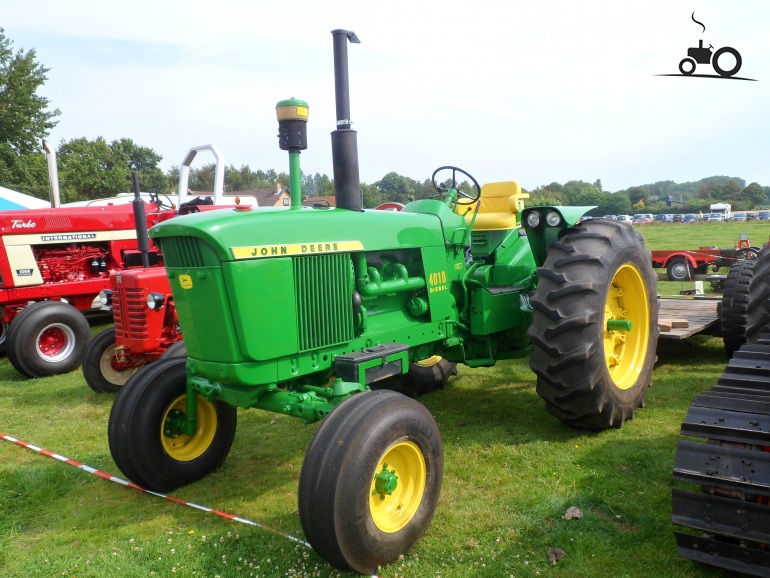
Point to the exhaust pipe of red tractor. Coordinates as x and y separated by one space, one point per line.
347 186
140 220
53 174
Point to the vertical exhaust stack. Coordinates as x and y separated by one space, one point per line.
53 174
347 186
140 220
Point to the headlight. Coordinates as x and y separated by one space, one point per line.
105 296
533 219
155 300
553 219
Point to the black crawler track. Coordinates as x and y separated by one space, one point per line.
728 519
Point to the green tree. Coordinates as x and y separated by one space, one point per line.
709 190
546 196
754 195
371 196
636 194
144 161
397 188
317 185
732 190
24 119
92 170
618 203
582 193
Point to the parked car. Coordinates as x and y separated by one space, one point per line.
750 216
624 218
664 218
713 217
677 218
642 218
609 217
763 215
690 218
738 217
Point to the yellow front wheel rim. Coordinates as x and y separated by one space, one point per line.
397 486
625 351
183 447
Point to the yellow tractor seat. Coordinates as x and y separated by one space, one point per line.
500 206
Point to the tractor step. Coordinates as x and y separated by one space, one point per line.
372 364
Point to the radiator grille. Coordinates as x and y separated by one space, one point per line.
324 300
182 252
128 312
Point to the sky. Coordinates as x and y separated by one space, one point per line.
553 90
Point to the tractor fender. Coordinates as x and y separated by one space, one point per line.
693 263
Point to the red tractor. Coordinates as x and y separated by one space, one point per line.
146 326
53 264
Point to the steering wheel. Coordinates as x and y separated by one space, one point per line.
155 198
442 189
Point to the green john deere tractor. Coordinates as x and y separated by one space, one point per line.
309 312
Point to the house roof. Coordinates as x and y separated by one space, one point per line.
265 197
310 201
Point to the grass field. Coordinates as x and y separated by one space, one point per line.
511 472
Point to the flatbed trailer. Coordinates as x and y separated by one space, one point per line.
682 264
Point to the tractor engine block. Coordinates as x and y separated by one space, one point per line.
62 264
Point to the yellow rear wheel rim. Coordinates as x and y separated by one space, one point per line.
392 511
430 362
625 351
183 447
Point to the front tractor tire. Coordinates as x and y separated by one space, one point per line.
47 338
144 436
102 370
370 481
595 325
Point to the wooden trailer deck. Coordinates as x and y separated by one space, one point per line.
700 313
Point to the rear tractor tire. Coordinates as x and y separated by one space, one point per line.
595 325
143 436
735 304
102 370
370 481
47 338
744 311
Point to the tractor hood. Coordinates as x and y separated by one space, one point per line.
237 234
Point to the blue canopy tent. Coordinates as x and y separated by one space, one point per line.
12 200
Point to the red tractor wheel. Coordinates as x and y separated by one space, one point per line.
47 338
102 370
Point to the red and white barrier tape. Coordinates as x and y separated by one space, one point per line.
122 482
